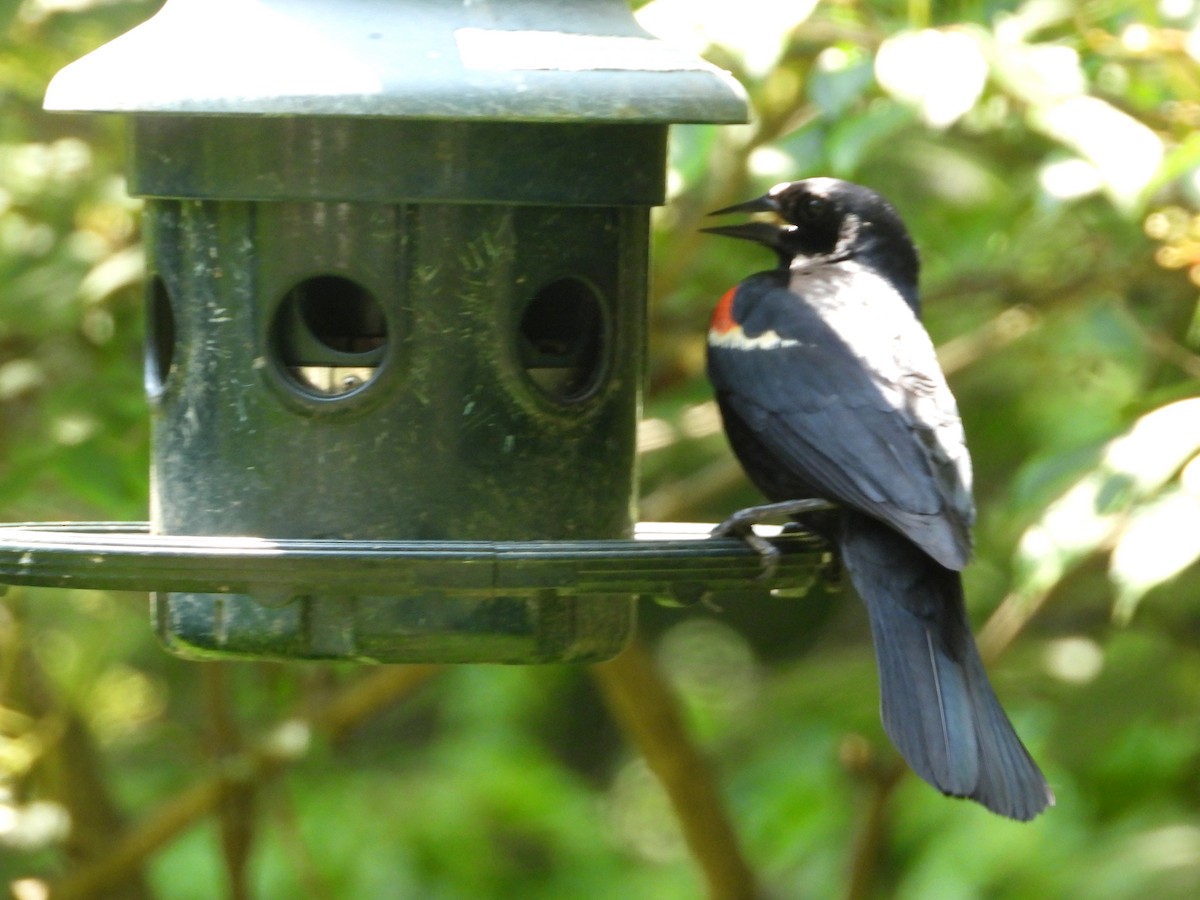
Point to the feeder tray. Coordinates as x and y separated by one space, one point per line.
379 601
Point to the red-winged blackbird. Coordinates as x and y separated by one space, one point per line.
829 388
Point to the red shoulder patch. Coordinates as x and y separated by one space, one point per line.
722 317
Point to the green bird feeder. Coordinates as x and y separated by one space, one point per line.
397 265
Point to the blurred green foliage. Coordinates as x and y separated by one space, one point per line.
1045 157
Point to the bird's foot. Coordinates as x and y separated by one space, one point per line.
741 524
767 552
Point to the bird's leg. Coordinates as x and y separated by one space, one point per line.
741 525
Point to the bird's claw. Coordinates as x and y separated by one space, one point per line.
740 526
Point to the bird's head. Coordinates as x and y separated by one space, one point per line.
830 220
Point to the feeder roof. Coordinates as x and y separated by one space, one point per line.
499 60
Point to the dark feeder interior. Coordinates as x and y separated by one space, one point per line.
397 263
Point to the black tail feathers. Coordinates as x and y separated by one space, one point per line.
937 704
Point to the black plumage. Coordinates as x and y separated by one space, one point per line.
829 388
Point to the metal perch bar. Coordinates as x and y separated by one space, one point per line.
667 559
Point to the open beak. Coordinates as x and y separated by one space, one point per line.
759 232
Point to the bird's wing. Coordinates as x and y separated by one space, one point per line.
835 375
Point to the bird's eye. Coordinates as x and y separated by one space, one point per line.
811 208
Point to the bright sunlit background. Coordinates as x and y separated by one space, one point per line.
1045 155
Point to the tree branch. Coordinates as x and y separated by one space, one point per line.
253 766
648 713
235 813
